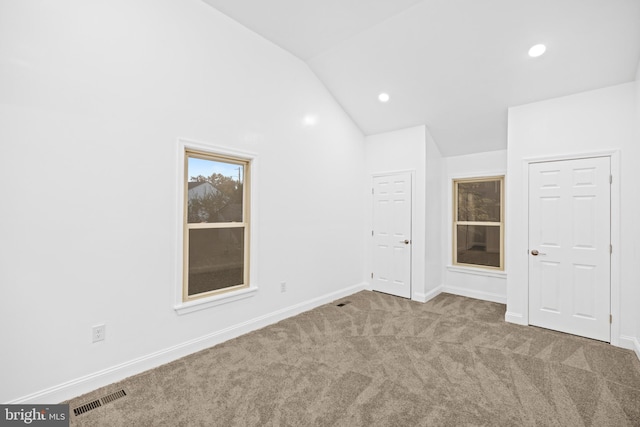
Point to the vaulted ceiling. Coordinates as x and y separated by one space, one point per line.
453 65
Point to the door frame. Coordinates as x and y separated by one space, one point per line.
614 156
369 252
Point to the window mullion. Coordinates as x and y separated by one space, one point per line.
201 225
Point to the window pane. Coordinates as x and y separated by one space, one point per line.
479 245
216 259
479 201
214 191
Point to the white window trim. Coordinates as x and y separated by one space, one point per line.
469 269
477 271
183 307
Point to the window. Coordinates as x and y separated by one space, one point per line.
478 222
216 224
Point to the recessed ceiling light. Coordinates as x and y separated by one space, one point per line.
383 97
537 50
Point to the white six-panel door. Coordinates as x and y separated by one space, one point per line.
391 234
569 246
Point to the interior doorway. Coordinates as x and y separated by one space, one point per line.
391 233
570 246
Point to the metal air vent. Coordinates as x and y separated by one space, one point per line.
98 402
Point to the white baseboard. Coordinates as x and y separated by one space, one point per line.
465 292
516 318
420 297
631 343
87 383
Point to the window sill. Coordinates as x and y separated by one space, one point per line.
204 303
477 271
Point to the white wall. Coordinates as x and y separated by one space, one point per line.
403 150
595 121
434 231
471 282
636 250
93 96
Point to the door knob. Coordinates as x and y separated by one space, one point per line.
536 253
406 242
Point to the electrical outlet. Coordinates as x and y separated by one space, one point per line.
99 332
283 286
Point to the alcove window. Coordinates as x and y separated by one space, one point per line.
478 222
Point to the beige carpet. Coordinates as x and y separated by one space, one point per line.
385 361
